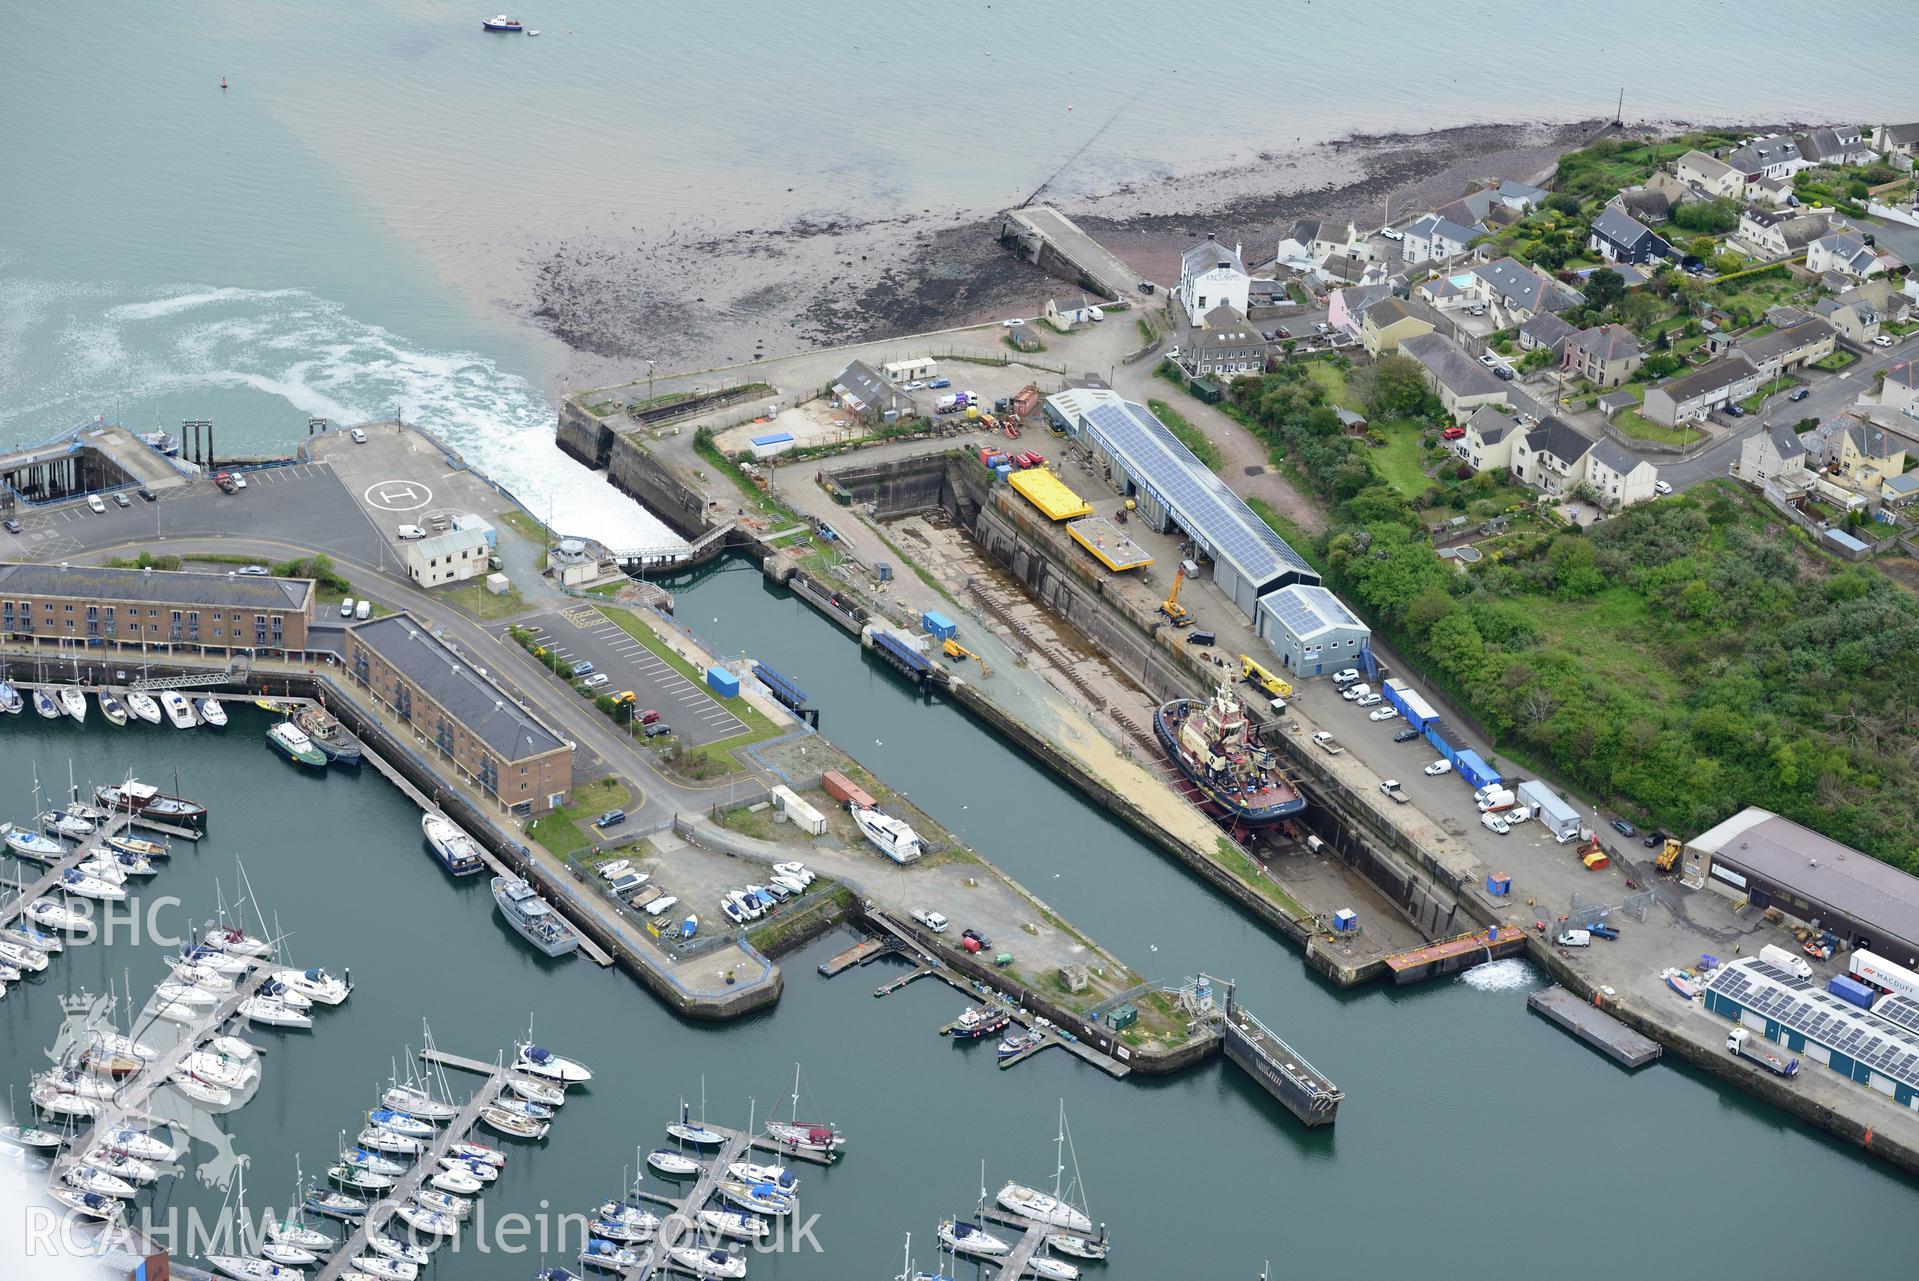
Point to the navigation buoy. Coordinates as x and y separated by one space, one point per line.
223 82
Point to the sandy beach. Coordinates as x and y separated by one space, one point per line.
701 300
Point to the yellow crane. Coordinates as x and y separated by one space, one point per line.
1175 612
953 649
1252 671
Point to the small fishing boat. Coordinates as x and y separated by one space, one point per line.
761 1198
393 1248
271 1012
336 1205
445 1202
135 797
1080 1247
351 1176
25 1136
121 1164
111 707
734 1224
91 1204
211 711
10 701
514 1125
73 701
91 1178
963 1237
502 23
1681 982
61 823
709 1263
672 1163
535 1061
398 1122
33 846
431 1222
291 742
242 1268
327 734
1017 1044
178 710
201 1090
456 850
411 1098
143 706
55 915
982 1020
46 705
548 1096
457 1181
523 908
316 984
76 882
609 1256
138 845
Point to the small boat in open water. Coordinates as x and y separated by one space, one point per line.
503 23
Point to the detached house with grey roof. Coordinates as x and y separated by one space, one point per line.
1619 476
1617 236
1835 145
1845 252
1551 456
1774 234
1709 175
1776 157
1519 292
1605 355
1434 239
1774 454
1461 383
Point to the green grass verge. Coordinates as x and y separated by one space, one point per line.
1241 865
1288 529
787 928
1402 459
1333 379
1632 423
1840 359
476 600
710 757
1190 436
528 528
569 829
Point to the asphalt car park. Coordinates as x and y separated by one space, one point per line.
583 634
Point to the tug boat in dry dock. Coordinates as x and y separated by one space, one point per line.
1214 746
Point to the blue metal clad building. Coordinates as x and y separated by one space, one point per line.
1173 488
1310 629
1818 1026
723 682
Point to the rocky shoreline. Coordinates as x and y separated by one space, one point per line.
720 297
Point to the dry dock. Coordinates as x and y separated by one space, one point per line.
1594 1026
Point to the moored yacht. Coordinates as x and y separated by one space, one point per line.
211 711
454 848
111 707
73 701
535 1060
135 797
532 919
291 742
178 710
10 701
46 705
143 706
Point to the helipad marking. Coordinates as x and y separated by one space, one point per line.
398 495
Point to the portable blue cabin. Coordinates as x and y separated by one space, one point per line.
1473 769
723 682
938 624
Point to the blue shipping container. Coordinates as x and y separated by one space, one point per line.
939 624
1004 470
1497 884
1473 769
1850 989
1345 919
723 682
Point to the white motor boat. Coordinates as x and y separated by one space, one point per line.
121 1164
709 1263
73 701
1041 1207
411 1098
745 906
891 836
76 882
781 881
753 1172
91 1204
540 1092
316 984
269 1012
431 1222
143 706
22 958
616 869
392 1248
91 1178
543 1063
963 1237
734 1223
218 1069
211 712
515 1125
672 1162
55 915
445 1202
277 991
34 846
386 1269
458 1182
796 871
178 710
64 824
235 942
241 1268
201 1090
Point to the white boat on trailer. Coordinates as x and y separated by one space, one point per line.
893 837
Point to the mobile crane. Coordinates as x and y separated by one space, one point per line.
1176 613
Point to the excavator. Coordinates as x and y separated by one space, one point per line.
954 650
1176 613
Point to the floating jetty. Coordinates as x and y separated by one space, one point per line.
1594 1026
1308 1093
1449 956
116 823
861 953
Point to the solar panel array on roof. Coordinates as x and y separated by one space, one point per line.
1887 1048
1902 1010
1307 610
1214 515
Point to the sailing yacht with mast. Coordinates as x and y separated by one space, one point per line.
1040 1207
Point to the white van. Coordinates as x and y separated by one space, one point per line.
363 608
409 533
1780 959
97 503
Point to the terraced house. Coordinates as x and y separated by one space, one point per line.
90 607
